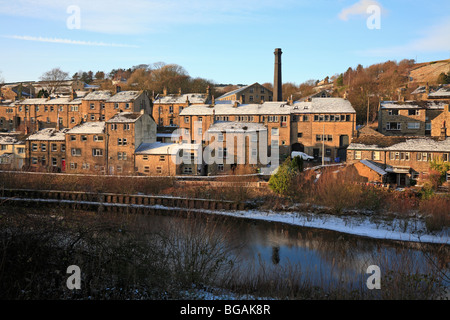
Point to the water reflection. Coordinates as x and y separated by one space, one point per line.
322 256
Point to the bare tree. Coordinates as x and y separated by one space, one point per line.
54 79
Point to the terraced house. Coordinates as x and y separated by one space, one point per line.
413 118
46 150
396 160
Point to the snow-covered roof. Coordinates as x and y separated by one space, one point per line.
236 127
98 95
88 128
124 96
412 105
323 105
125 117
409 145
442 92
159 148
373 166
9 139
49 134
194 98
234 91
316 105
52 101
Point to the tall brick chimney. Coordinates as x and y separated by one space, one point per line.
277 84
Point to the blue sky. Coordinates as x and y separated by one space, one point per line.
223 41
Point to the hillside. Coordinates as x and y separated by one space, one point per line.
429 71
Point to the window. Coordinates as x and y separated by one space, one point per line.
85 166
220 137
54 147
159 170
92 117
73 108
220 167
393 126
413 125
98 138
126 126
275 132
162 158
147 169
20 150
83 138
34 160
54 162
251 98
318 137
393 112
357 155
127 106
48 120
97 152
92 106
122 142
63 148
122 156
116 106
284 121
73 138
187 170
376 155
413 112
34 147
186 119
43 147
72 120
445 157
113 126
423 156
328 152
76 152
171 109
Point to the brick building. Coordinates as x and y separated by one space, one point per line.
167 107
401 158
254 93
412 118
168 159
316 126
46 150
12 151
86 146
126 132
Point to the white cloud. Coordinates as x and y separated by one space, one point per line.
358 9
68 41
434 39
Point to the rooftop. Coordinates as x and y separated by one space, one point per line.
400 144
6 138
125 117
88 128
412 105
194 98
49 134
124 96
98 95
316 105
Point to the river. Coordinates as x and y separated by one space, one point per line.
319 257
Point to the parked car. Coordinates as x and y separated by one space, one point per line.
302 155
